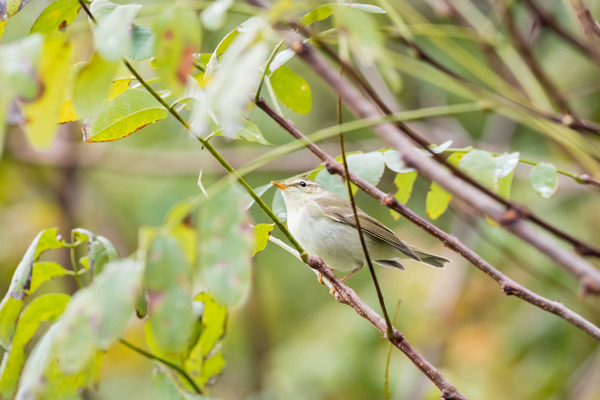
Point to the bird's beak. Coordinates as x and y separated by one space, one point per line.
280 186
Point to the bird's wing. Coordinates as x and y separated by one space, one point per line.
370 226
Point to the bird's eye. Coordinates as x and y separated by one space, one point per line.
302 183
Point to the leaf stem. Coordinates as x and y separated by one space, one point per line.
169 364
74 263
266 70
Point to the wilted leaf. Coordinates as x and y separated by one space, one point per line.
100 250
10 8
177 39
44 308
292 90
120 117
480 165
56 16
261 237
41 116
544 179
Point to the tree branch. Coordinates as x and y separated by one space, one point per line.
509 287
348 296
588 23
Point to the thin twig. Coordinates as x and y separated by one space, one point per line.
389 331
509 287
169 364
588 23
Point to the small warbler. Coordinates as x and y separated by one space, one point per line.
323 223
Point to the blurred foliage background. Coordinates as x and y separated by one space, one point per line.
290 339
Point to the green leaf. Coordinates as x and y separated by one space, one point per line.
544 179
41 116
481 165
404 182
325 11
278 206
92 85
43 378
44 271
120 117
44 308
102 8
166 264
437 201
281 58
97 315
177 39
394 162
251 133
143 43
166 388
369 166
171 320
364 35
10 308
227 243
205 359
506 164
504 185
261 237
213 16
57 15
113 35
19 68
100 250
292 90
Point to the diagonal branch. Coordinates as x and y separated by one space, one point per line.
348 296
590 26
511 219
509 287
300 48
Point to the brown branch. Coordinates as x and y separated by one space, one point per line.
550 22
348 296
551 91
588 23
512 218
509 286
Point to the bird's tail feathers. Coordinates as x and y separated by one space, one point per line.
432 259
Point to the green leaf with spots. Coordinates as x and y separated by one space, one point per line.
261 237
292 90
100 250
130 111
166 264
226 246
44 308
57 15
97 315
544 179
177 39
41 116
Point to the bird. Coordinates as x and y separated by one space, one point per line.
323 223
